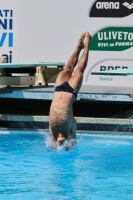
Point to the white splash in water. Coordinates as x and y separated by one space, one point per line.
67 145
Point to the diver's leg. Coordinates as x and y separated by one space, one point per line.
66 74
76 80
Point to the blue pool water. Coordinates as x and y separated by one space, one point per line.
97 168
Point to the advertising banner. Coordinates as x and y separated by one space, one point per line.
112 80
113 39
8 30
48 31
104 8
115 42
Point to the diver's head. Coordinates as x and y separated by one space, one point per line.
60 139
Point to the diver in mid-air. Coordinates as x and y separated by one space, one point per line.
62 124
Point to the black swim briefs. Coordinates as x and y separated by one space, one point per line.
65 87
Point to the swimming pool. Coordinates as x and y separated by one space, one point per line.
99 167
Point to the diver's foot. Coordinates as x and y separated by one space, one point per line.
81 41
87 40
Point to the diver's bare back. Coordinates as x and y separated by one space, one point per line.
61 115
